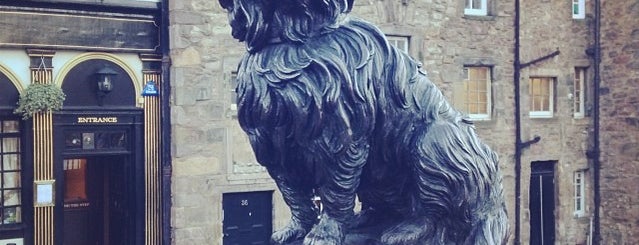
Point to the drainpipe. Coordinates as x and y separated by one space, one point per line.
595 152
516 79
165 121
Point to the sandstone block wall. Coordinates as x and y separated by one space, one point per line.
620 122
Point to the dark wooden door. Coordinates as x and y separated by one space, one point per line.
542 203
117 202
247 218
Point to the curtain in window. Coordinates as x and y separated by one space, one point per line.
10 174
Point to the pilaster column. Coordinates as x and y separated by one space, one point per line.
42 72
151 74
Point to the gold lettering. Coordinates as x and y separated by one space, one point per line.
97 119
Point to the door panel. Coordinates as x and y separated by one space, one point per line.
117 215
247 218
542 203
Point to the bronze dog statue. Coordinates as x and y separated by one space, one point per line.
330 106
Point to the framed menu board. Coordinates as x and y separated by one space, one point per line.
44 193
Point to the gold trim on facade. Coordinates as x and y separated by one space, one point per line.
42 158
43 217
152 144
43 171
12 78
42 76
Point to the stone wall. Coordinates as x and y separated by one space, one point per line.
211 154
620 122
547 26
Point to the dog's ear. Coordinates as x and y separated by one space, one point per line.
259 22
250 21
297 20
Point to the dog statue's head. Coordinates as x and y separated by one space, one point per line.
260 22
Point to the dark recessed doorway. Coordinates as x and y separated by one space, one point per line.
95 202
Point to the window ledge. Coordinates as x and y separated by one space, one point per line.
484 124
582 218
479 17
12 227
480 119
540 115
581 121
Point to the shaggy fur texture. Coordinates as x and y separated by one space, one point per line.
330 106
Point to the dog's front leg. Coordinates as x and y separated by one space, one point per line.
298 198
338 197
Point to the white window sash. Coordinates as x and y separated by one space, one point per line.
580 194
551 103
482 10
397 40
581 9
483 116
580 99
233 83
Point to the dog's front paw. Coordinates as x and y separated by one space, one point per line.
371 217
327 232
407 232
291 232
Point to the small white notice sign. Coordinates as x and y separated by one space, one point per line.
44 193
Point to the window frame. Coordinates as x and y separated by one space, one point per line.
579 93
481 11
19 170
579 193
532 113
232 80
488 90
395 39
580 6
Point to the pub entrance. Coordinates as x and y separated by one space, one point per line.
99 176
94 199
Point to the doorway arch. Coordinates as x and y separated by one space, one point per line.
72 70
10 88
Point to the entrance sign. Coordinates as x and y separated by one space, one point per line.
44 193
97 119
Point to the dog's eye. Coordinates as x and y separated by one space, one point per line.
226 4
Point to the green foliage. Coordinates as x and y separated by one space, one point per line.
39 97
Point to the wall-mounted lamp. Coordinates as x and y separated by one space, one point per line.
105 82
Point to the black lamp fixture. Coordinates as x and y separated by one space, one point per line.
105 82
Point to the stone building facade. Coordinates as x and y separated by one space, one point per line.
619 130
213 163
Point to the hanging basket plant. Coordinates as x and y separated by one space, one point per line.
39 97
